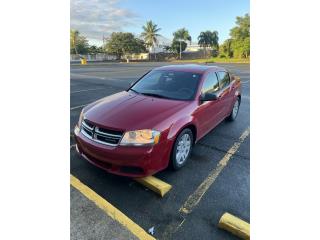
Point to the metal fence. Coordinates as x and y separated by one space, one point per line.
99 57
161 56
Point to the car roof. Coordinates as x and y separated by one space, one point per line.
190 68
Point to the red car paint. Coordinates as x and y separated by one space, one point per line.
126 111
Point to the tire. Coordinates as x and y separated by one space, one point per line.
235 110
183 144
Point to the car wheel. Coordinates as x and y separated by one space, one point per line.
182 149
234 113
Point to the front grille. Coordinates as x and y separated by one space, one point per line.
100 135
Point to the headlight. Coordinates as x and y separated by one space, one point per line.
140 138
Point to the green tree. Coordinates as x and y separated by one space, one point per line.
150 35
175 46
242 30
168 48
240 36
78 43
74 34
208 39
246 47
121 44
179 40
226 48
182 34
93 49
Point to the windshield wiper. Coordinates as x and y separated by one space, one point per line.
153 95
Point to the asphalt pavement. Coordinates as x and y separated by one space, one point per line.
230 192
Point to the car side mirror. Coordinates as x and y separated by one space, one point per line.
209 97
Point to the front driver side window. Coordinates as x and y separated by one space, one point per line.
223 79
211 84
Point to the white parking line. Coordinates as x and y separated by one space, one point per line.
73 108
86 76
195 197
86 90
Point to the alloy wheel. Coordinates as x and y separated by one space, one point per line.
183 148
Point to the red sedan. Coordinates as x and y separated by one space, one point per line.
156 122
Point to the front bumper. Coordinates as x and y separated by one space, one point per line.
124 160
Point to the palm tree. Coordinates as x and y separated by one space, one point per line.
208 39
150 35
74 34
181 35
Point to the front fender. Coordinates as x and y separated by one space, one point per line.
177 126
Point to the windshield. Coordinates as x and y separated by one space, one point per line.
168 84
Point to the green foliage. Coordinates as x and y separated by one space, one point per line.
168 48
74 34
182 34
217 60
150 34
94 49
226 48
241 48
246 47
121 44
242 30
175 46
240 38
78 44
208 39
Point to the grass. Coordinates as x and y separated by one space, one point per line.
216 60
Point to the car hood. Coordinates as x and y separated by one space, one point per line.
130 111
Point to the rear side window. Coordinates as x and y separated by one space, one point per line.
224 79
211 84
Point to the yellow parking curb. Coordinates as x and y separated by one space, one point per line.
155 184
109 209
235 225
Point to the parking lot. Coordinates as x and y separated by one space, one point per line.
215 180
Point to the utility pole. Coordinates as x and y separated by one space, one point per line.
180 40
180 50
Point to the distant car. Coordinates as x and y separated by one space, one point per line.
156 122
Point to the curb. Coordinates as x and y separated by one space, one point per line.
158 186
235 225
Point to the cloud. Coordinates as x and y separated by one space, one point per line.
93 18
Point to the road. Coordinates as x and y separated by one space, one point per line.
229 192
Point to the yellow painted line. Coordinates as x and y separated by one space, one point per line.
155 184
112 211
235 225
195 197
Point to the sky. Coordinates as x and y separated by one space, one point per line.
95 18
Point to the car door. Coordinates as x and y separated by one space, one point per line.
208 112
225 92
